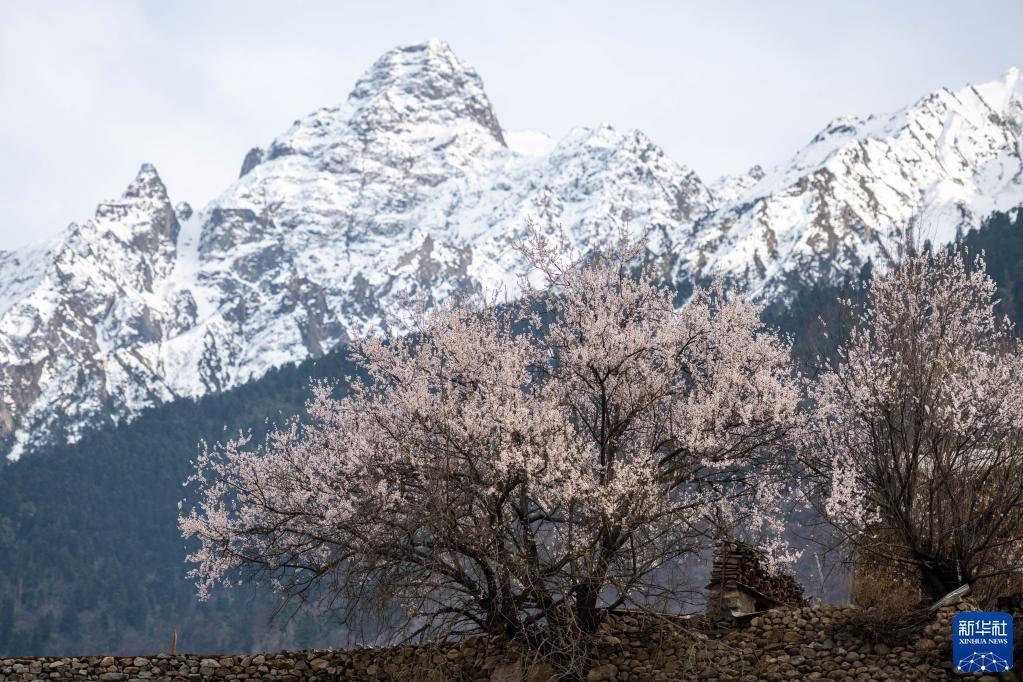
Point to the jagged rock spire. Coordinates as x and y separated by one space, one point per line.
417 83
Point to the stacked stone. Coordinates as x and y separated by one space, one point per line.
309 666
813 644
737 562
472 659
782 644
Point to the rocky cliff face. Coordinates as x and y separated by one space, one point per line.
412 187
81 319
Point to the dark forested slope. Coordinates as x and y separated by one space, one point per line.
90 555
1001 242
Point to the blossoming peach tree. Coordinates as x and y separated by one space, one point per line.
513 470
914 449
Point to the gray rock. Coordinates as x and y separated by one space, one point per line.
603 673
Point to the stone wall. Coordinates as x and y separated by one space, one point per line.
783 644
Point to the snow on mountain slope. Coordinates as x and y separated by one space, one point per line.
411 186
76 343
934 169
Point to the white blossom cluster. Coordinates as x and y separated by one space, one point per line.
914 443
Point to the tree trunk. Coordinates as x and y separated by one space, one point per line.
502 619
586 612
938 577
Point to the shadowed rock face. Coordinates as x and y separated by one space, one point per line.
411 187
252 159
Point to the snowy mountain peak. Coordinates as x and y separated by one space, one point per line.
146 185
1013 79
143 215
935 168
1002 94
83 315
415 100
421 84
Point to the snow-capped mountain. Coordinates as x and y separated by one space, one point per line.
82 318
934 169
412 186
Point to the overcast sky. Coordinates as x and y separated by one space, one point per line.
90 90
